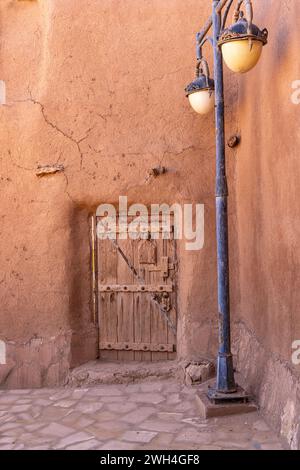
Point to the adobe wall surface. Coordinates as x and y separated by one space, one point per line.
266 276
99 90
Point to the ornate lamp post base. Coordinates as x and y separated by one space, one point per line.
212 404
239 396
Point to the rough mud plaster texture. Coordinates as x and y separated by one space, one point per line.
99 90
268 220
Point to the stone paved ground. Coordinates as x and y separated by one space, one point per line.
159 415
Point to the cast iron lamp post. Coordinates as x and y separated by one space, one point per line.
240 46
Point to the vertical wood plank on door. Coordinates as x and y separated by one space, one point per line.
170 249
142 325
145 307
159 327
137 324
107 272
125 304
137 319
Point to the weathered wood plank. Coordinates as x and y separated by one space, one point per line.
137 323
142 326
171 252
107 272
125 300
159 327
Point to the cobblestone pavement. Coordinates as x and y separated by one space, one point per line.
148 415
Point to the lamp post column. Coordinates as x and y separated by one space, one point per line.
225 375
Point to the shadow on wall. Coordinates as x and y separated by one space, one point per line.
84 339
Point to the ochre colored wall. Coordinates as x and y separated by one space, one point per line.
99 89
267 217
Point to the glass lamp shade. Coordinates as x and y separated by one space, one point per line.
202 101
241 55
242 44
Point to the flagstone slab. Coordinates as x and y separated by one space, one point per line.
117 445
88 407
139 415
139 436
121 407
73 439
85 445
151 398
56 429
161 426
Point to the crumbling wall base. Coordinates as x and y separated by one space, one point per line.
273 382
46 362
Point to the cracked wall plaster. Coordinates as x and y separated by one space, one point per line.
74 102
100 92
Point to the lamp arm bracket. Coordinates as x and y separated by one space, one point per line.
226 12
201 35
199 46
207 39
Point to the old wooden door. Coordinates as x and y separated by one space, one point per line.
137 298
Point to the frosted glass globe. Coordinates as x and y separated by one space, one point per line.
202 101
239 56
